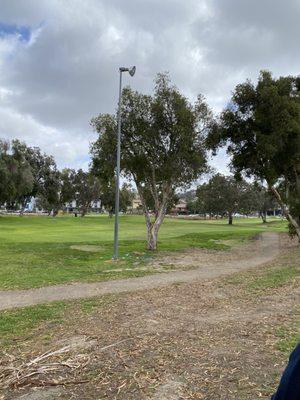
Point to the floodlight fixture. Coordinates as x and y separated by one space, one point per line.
132 70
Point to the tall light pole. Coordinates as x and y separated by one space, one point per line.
117 200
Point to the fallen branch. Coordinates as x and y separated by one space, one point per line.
49 354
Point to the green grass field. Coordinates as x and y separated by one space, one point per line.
37 251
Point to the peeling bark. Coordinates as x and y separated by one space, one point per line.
159 215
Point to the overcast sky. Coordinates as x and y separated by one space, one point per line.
59 59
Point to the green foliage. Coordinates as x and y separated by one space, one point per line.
262 126
86 188
161 135
193 207
108 196
261 129
162 145
261 199
57 189
16 178
40 164
224 195
126 197
26 172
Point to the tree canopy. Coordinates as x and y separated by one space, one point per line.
261 129
224 195
26 173
87 189
163 148
16 177
108 197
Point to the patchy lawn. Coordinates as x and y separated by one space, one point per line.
40 251
223 339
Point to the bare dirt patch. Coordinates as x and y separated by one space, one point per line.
87 247
41 394
238 251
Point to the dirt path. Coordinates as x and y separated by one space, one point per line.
265 250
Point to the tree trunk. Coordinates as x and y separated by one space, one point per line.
263 216
160 212
152 238
83 211
230 218
285 211
23 206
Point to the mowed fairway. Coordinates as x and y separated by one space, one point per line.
39 251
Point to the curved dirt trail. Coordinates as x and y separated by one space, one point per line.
266 249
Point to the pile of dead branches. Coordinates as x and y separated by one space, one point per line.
40 370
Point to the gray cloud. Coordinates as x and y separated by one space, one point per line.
51 86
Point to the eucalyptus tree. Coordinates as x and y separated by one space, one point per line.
223 195
261 130
57 189
87 189
41 166
262 200
16 178
162 146
107 197
40 163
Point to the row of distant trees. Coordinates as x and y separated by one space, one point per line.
166 141
26 173
223 196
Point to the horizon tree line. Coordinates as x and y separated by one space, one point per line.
26 173
53 189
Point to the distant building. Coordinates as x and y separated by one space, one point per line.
136 207
180 207
95 206
70 206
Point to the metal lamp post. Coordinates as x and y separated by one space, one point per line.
117 199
